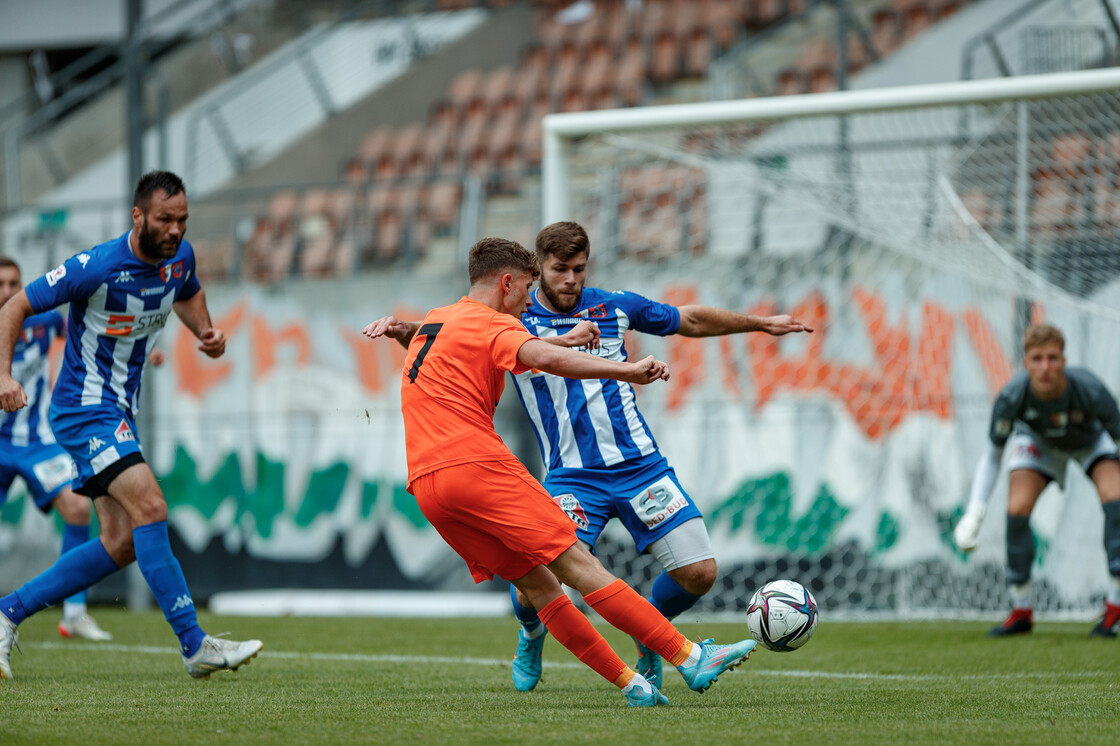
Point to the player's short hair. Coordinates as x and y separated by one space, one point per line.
152 182
1041 334
7 262
562 240
494 255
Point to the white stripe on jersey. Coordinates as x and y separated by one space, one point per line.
569 449
529 398
96 322
644 443
601 418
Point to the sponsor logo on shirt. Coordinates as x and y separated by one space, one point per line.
123 432
152 291
55 275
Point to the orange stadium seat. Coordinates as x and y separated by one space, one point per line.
631 73
698 53
665 58
272 248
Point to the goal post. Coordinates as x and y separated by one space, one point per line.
919 229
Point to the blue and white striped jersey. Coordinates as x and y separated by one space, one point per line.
592 423
118 307
31 369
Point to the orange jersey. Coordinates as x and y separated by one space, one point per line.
453 377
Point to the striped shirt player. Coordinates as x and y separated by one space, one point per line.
121 294
118 306
603 461
29 448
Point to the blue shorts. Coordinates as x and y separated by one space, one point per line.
45 468
642 493
95 437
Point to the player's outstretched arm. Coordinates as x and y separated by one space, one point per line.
707 321
196 316
393 328
583 334
540 355
12 316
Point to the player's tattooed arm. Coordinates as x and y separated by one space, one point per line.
393 328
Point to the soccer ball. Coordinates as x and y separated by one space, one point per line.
782 615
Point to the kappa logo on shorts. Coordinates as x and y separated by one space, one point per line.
571 507
96 444
123 432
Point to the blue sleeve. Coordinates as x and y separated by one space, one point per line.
649 316
70 281
190 285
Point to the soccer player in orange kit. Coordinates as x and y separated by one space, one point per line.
483 501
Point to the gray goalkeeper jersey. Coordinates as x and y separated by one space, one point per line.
1071 422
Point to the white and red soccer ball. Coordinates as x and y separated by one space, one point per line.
782 615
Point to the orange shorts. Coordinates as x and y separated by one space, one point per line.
495 516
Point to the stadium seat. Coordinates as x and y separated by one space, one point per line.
665 58
1051 206
442 204
631 73
698 53
886 31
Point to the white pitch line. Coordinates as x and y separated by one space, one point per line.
426 659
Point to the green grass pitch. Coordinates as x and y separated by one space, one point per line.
434 681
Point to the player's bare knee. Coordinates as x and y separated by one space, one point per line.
696 578
151 508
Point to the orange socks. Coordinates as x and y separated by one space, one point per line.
571 628
625 610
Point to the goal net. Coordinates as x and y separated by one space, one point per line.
919 230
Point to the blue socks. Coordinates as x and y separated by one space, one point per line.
527 616
73 536
165 578
669 598
74 571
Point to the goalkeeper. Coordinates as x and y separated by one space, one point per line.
1048 415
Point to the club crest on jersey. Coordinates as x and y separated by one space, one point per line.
55 275
571 507
123 432
168 271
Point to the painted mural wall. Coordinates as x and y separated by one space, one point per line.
842 457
